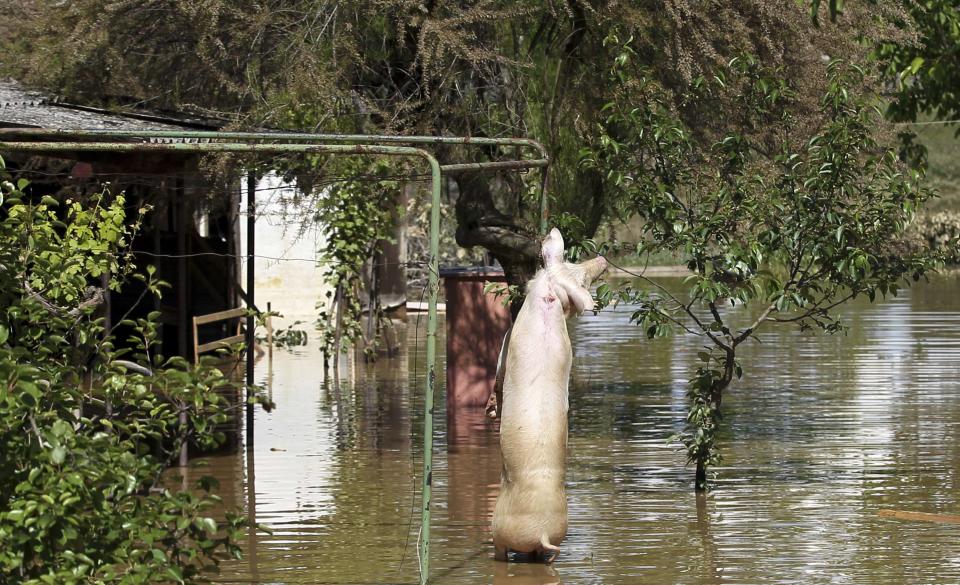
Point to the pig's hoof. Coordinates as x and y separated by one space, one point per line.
500 553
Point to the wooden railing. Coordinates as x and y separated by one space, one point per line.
219 343
198 348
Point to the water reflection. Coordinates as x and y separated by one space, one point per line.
525 574
822 433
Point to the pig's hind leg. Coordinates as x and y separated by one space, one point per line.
500 553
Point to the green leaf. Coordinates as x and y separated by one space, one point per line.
175 573
58 455
815 12
15 516
915 65
208 524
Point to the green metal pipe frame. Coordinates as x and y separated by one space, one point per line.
543 161
302 137
369 148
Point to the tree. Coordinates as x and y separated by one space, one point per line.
788 227
85 437
436 67
922 65
926 71
674 134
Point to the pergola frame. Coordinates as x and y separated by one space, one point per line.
61 140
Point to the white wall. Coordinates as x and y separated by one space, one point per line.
287 274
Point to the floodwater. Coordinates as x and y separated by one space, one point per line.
821 434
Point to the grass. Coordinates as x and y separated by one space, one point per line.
943 175
943 147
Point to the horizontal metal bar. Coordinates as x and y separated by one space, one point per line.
220 316
495 165
213 147
15 133
221 343
204 147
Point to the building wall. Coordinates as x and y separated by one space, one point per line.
287 271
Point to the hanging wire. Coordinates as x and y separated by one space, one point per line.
927 123
129 178
243 257
413 461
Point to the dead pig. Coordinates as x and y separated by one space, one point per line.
531 510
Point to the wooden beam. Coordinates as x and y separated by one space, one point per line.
221 343
920 516
220 316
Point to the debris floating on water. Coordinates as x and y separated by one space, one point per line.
920 516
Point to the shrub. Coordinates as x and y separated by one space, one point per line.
85 437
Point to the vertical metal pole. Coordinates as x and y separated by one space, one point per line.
183 221
251 321
251 550
184 308
434 284
185 446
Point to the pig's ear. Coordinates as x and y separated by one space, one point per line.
552 248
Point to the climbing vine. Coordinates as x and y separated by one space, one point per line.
356 217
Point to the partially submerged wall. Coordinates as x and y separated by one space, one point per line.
287 249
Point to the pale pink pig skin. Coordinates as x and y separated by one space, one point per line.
531 511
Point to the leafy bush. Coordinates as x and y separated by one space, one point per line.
85 437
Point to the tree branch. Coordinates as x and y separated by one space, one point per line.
94 296
814 310
686 309
746 332
500 240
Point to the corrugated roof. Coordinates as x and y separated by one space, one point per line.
20 107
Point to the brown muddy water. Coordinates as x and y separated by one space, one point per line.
822 434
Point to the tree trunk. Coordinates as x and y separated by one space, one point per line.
716 397
700 480
480 223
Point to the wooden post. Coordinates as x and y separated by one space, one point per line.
184 447
196 343
269 333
